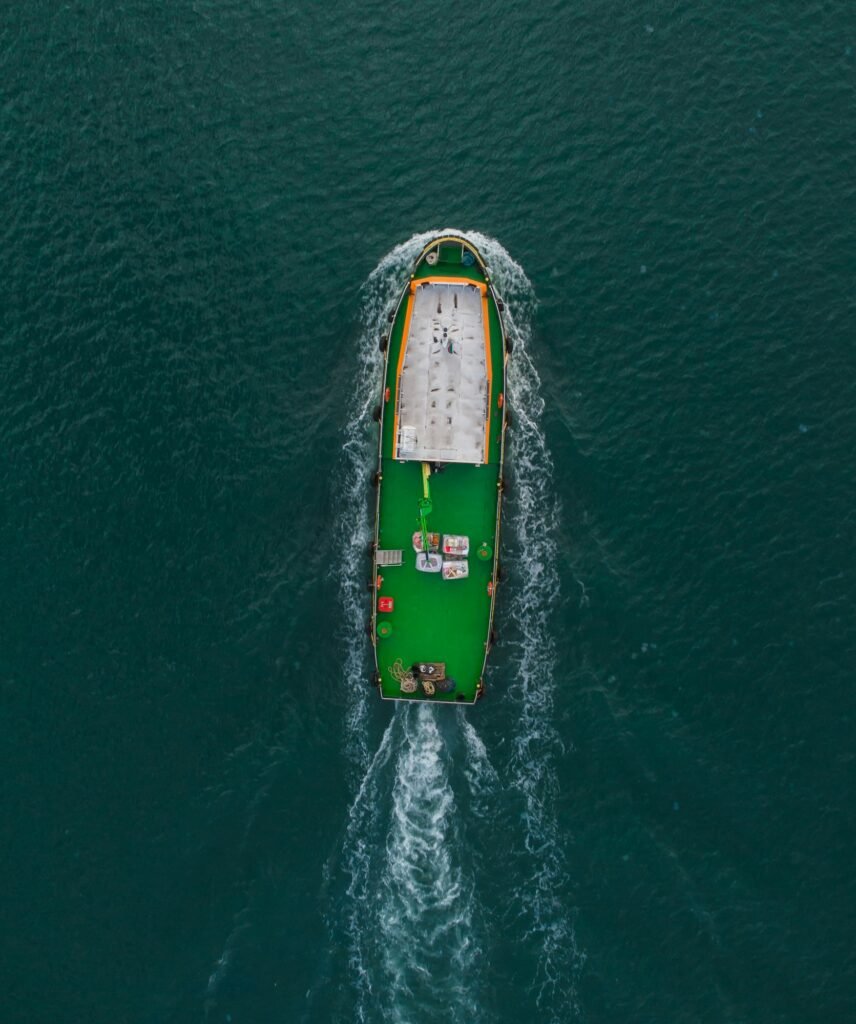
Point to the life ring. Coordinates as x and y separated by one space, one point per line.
490 588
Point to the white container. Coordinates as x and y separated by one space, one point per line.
429 562
456 545
455 569
433 541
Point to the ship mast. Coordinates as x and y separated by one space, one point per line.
425 507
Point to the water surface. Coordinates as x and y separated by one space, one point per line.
207 208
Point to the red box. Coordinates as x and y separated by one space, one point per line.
385 604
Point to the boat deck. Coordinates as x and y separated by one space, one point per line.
435 619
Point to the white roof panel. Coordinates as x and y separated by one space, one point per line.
443 392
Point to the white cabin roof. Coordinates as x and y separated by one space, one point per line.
443 387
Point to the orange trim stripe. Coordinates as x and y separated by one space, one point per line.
417 283
489 367
404 338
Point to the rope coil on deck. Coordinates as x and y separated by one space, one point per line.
404 677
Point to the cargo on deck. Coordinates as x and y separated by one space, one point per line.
442 422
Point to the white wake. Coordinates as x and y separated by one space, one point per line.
418 947
355 527
533 521
412 936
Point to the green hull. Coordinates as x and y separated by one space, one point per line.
435 619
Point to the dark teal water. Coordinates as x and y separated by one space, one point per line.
206 208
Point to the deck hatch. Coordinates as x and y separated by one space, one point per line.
444 383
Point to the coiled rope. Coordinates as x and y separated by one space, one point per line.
404 677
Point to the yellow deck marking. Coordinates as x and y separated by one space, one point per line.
489 367
482 287
401 352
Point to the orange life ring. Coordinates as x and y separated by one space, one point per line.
500 401
490 588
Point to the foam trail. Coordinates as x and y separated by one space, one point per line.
482 777
412 911
426 908
412 929
533 517
354 528
360 865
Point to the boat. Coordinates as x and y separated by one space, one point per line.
442 420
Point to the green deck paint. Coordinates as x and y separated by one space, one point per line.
436 619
